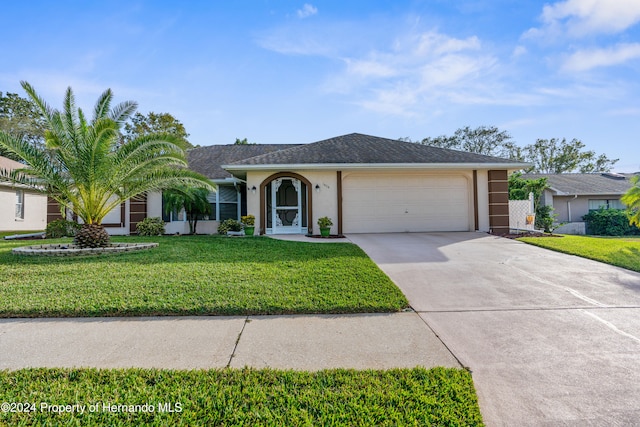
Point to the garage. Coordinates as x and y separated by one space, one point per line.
386 202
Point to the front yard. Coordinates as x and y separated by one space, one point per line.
197 275
619 251
222 276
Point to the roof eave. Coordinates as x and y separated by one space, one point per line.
578 193
345 166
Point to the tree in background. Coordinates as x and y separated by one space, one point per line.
632 199
559 156
193 200
154 123
547 155
21 118
243 142
487 140
87 168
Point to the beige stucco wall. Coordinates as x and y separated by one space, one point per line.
182 227
483 200
154 204
325 202
35 211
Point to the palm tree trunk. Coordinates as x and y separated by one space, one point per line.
92 236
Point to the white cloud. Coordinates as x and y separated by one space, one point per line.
433 43
420 67
584 60
579 18
307 11
519 51
412 75
368 68
294 41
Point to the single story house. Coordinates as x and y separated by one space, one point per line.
365 184
573 195
21 209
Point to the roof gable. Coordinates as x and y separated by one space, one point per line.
357 148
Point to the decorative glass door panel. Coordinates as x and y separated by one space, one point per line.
286 200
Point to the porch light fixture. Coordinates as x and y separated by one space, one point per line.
317 188
253 189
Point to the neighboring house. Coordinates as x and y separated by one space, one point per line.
21 209
573 195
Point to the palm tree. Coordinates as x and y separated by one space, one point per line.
193 200
632 199
87 168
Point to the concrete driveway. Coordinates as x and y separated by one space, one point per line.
551 339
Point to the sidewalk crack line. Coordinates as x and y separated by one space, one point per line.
235 347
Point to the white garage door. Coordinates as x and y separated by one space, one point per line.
400 203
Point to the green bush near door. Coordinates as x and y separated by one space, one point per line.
325 224
248 223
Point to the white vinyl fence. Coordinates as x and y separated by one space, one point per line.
522 214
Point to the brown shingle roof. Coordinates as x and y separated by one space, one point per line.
207 160
357 148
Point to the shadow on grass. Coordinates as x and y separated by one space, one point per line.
193 249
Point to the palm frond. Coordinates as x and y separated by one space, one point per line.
84 168
166 178
42 106
103 105
123 111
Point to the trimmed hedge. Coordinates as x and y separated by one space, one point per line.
610 222
150 226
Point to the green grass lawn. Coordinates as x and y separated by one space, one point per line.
197 275
622 252
246 397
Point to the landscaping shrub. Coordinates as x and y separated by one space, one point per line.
610 222
150 227
229 225
61 228
545 220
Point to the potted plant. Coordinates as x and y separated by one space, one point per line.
325 224
248 221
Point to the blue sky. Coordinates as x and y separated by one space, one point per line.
296 71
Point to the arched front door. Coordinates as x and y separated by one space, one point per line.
286 206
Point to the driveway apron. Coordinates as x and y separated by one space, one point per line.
551 339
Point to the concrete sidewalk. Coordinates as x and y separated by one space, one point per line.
313 342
